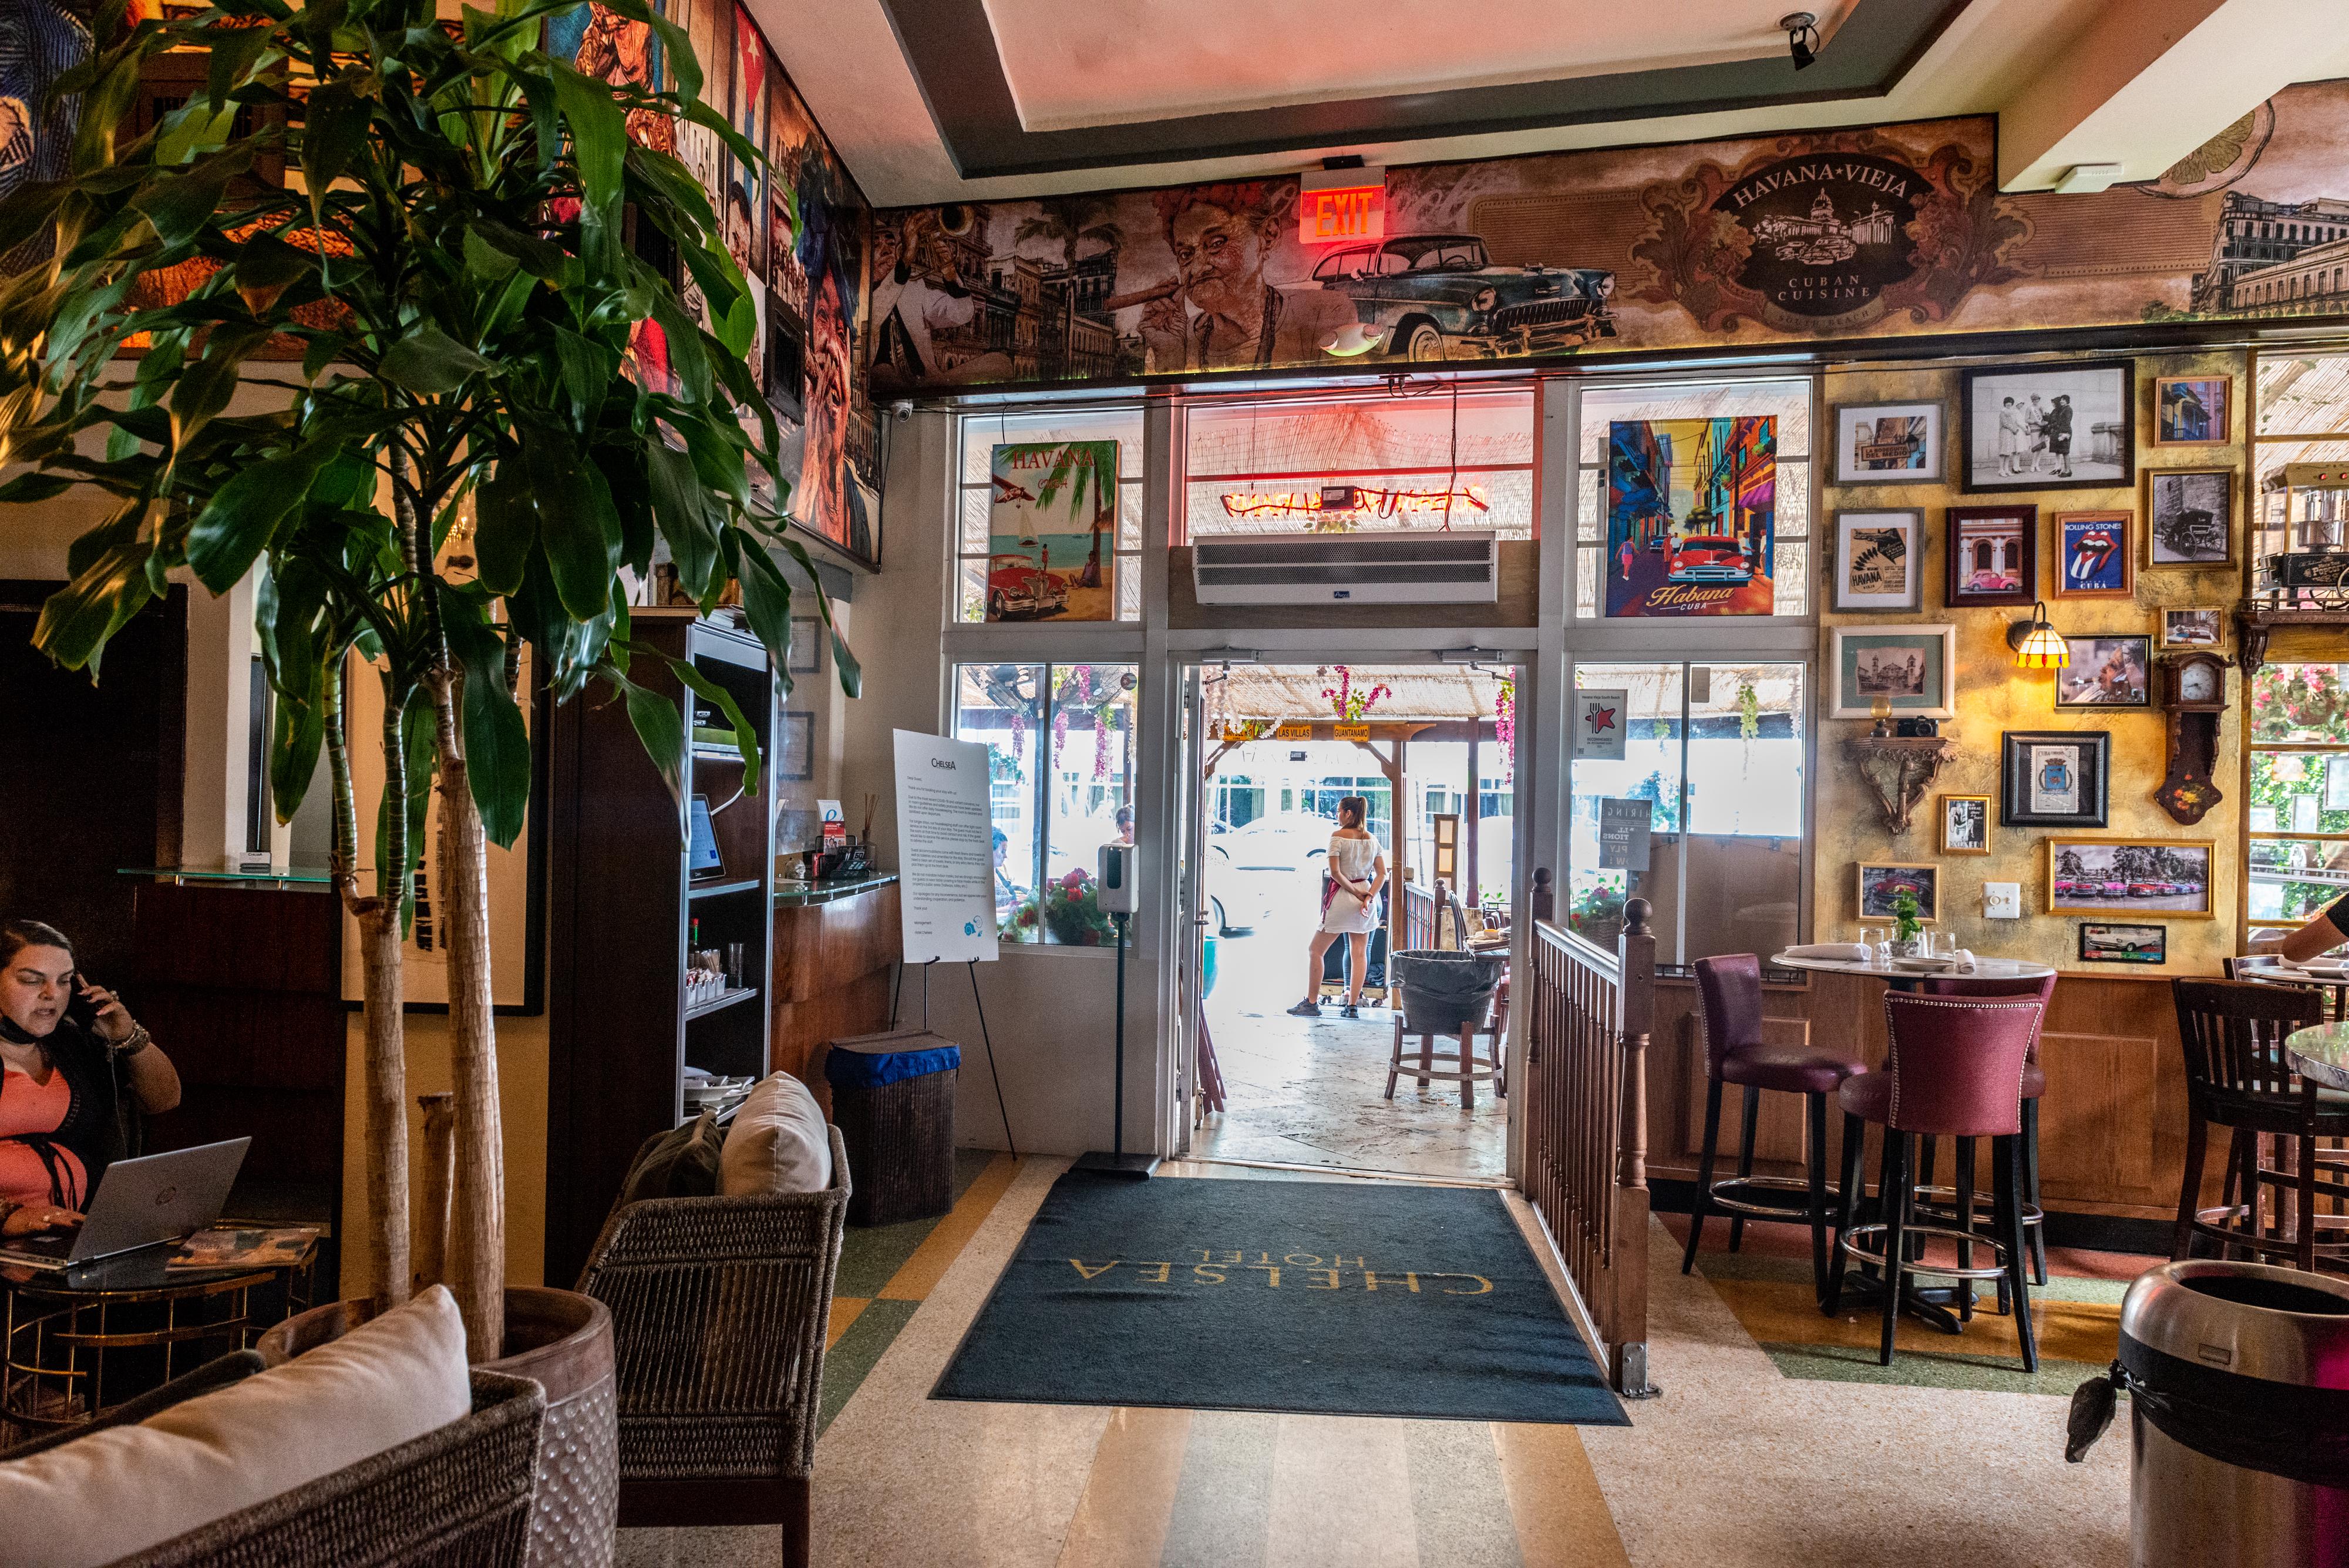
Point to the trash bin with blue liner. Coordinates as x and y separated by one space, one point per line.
892 1098
2237 1377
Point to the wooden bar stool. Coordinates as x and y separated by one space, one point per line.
1954 1070
1472 1070
1729 1013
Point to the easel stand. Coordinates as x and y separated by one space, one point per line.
1115 1161
980 1007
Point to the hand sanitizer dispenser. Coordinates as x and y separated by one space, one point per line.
1116 879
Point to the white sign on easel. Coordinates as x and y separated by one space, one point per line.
946 861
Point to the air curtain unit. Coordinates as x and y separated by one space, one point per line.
1421 566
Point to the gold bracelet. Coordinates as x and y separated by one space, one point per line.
136 1041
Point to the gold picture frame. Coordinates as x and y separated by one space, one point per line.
1981 828
2102 877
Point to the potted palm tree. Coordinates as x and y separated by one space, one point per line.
420 254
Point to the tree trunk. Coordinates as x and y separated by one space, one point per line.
433 1185
477 1250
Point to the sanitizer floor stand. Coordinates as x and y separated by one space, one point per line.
1114 1160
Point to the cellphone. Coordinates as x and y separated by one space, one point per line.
79 1011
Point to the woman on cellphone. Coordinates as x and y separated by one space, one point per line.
67 1074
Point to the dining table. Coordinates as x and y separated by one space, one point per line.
2320 1054
2332 980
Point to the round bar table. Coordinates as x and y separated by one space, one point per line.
2320 1054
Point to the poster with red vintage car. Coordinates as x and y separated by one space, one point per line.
1690 507
1048 552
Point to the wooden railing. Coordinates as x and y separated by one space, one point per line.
1419 912
1586 1104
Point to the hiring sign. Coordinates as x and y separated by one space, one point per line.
1341 206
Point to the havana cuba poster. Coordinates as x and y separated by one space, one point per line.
1052 506
1690 507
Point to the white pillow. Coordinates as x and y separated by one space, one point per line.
122 1491
777 1144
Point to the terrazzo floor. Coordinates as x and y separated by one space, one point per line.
1754 1455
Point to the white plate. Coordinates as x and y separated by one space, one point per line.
1924 965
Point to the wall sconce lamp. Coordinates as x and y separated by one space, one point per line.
2037 644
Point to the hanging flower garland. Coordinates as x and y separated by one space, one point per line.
1347 703
1505 726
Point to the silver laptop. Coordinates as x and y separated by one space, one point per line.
142 1202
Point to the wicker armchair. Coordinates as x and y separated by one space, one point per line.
718 1310
456 1496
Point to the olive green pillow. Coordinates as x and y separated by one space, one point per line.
681 1163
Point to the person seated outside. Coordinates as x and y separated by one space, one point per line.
2320 934
71 1076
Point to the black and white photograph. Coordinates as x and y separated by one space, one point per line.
2189 517
1878 560
1909 668
2104 941
2106 673
1889 443
2119 876
1965 825
2193 627
2054 778
1880 886
2049 427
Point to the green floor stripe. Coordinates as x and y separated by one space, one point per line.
870 1256
1929 1369
846 1365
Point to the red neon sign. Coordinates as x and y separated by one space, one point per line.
1336 217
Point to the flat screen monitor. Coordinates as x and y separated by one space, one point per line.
703 862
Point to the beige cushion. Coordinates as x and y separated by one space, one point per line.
124 1489
777 1144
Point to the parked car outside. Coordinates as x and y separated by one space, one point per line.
1239 900
1286 841
1438 296
1708 558
1018 586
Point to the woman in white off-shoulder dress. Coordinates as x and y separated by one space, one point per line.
1357 871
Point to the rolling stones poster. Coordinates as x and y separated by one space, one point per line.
1690 508
1868 232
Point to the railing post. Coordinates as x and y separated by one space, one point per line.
1545 902
1635 953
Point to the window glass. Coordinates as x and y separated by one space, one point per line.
2299 396
2296 818
1716 750
1061 753
1431 457
980 434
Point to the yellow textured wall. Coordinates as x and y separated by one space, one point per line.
1993 696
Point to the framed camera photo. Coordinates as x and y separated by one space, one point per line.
2054 778
1880 559
2052 426
1889 443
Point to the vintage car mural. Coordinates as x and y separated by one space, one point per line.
1016 585
1438 296
1708 558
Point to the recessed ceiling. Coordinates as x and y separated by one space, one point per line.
1119 62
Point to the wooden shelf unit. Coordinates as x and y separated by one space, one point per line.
621 906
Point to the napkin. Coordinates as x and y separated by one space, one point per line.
1849 952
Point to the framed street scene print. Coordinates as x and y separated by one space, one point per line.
2130 876
1889 443
2092 558
1880 559
2106 673
1910 667
2189 517
2192 411
2055 426
1880 886
2054 778
2193 627
1991 555
1965 825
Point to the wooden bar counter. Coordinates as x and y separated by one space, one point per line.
834 944
2112 1127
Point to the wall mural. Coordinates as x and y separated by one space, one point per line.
1875 232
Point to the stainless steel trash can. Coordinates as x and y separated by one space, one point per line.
2237 1375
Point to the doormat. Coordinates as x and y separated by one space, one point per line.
1342 1299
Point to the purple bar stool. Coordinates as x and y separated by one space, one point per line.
2034 1085
1955 1070
1729 1012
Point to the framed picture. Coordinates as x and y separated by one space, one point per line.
1051 530
2193 628
1965 825
1689 504
1879 558
1880 884
2192 411
2189 517
2093 556
1991 555
2049 427
795 748
2129 876
2106 673
1911 667
2054 778
1889 443
2103 942
807 646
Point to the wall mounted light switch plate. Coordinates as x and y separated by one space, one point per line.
2001 900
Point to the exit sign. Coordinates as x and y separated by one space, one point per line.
1342 206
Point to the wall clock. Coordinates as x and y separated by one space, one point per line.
2194 695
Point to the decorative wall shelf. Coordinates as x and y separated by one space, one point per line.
1899 769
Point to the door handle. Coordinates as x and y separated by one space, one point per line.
1203 919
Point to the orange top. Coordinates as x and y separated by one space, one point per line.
27 1107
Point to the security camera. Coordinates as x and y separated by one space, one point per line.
903 407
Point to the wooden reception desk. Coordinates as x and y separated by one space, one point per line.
834 945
